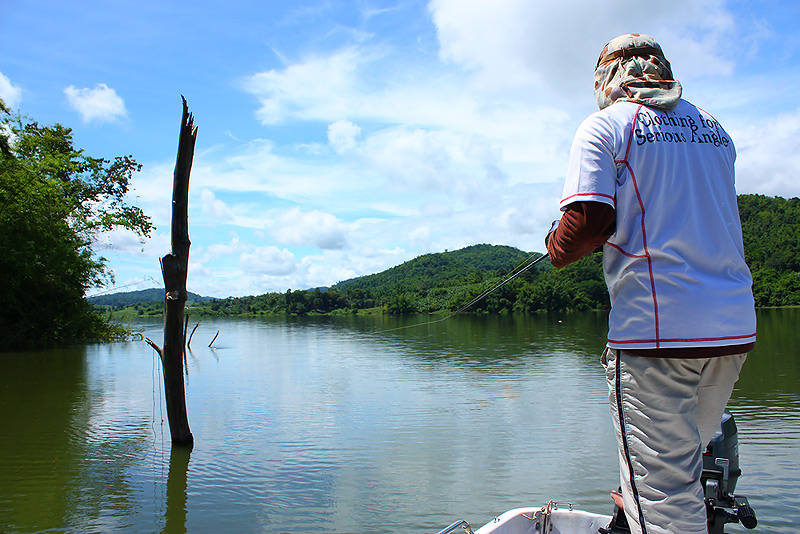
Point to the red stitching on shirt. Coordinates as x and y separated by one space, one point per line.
644 231
630 138
709 114
623 252
680 340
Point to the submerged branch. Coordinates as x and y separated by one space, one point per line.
156 348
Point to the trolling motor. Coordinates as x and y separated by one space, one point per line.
720 473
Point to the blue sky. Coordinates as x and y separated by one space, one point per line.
338 139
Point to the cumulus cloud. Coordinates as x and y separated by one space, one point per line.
553 45
342 135
268 260
257 169
413 158
319 86
423 161
11 94
768 156
418 237
217 250
124 241
315 228
101 104
353 83
214 208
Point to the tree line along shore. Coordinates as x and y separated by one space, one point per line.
445 282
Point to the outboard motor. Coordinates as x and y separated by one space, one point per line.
720 473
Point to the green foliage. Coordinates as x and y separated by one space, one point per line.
54 201
449 281
771 232
118 301
435 283
316 301
468 265
579 286
400 304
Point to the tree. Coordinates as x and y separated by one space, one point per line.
54 203
400 304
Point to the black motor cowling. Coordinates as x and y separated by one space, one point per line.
720 474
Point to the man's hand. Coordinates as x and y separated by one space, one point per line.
552 229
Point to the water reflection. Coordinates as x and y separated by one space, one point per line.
175 516
68 444
39 396
341 424
773 367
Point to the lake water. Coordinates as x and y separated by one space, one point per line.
343 425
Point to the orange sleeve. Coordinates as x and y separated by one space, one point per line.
584 226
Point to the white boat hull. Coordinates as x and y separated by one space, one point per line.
535 520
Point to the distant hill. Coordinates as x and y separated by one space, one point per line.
429 283
475 263
144 296
446 281
440 269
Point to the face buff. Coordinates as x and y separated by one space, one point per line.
632 68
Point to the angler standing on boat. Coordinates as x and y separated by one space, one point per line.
651 180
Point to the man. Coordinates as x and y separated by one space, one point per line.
651 180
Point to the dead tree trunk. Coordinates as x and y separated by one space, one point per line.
174 268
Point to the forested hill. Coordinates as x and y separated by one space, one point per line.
439 269
131 298
445 281
771 230
435 282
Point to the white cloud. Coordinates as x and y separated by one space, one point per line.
354 84
214 208
224 249
432 122
151 189
319 86
418 237
415 159
768 156
268 260
101 104
257 168
315 228
11 94
124 241
421 162
552 46
342 135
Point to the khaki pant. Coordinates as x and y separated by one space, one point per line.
666 410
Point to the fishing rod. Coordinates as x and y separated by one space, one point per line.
515 272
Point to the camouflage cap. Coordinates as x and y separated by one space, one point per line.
633 68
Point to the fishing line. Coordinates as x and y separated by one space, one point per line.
512 275
158 453
113 288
